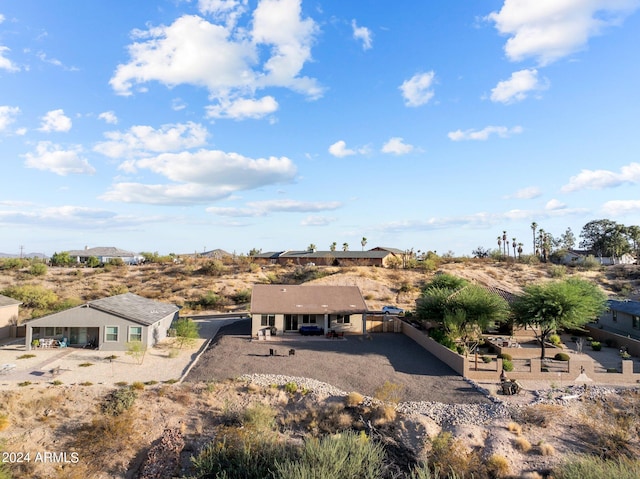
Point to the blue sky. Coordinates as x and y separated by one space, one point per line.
178 126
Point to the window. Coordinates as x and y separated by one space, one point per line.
636 322
306 318
135 333
111 333
344 319
268 320
312 318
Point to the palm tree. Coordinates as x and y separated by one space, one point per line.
505 243
363 242
500 244
333 246
513 245
520 250
534 225
311 247
345 246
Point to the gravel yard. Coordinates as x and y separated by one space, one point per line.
350 364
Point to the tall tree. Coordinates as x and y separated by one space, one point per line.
500 244
534 226
633 233
311 247
513 245
520 245
548 307
568 240
605 238
505 243
333 246
363 242
345 246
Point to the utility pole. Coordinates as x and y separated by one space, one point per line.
21 250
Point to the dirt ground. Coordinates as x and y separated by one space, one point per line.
352 364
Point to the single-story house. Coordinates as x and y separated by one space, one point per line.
105 254
289 307
622 317
574 256
8 315
374 257
107 323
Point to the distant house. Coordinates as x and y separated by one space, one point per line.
105 254
382 257
8 315
574 256
107 323
288 307
622 317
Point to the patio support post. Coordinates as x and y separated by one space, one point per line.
27 337
326 323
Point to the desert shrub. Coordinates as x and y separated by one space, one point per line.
186 332
389 392
86 383
506 356
235 456
291 387
507 365
103 438
347 455
4 421
57 382
119 401
214 267
596 345
38 269
259 417
137 385
450 454
561 357
137 350
26 356
546 449
515 428
384 414
486 359
85 365
13 263
498 466
539 415
557 271
555 339
24 383
593 467
242 296
354 399
441 337
523 444
117 289
31 296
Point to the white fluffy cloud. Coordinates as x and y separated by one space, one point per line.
600 179
227 59
340 150
141 140
200 177
266 207
397 146
518 86
51 157
55 120
8 116
617 208
418 89
5 63
314 220
363 34
109 117
243 108
484 134
548 30
554 204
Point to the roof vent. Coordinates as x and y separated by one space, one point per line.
284 290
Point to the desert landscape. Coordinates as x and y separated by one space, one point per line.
115 418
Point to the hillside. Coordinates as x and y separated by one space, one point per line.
197 286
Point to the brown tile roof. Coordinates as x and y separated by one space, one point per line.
292 299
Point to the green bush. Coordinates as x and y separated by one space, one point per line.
291 387
555 339
561 357
506 356
31 296
486 359
38 269
593 467
596 346
119 401
347 455
507 365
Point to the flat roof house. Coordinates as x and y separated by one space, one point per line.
107 323
289 307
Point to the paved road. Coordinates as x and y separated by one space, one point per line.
351 364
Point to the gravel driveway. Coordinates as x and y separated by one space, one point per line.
351 364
